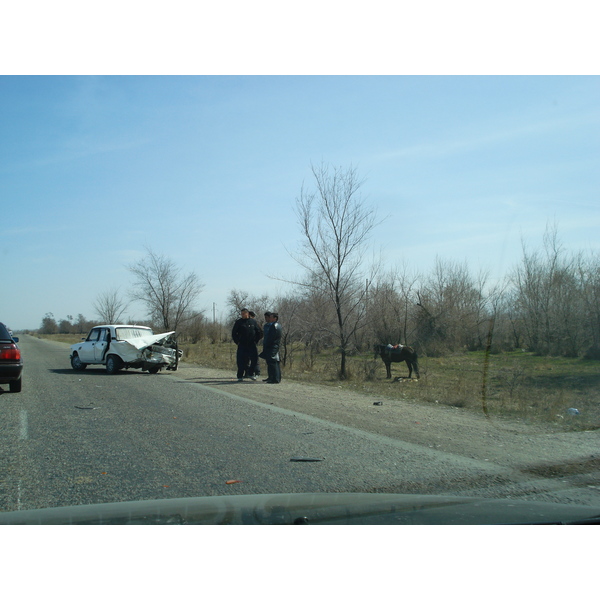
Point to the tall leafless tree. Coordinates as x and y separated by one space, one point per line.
336 226
555 300
588 273
109 306
168 294
392 306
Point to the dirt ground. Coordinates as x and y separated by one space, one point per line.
544 463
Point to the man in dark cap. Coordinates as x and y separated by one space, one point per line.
246 333
271 341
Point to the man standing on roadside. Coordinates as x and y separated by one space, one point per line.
246 334
271 341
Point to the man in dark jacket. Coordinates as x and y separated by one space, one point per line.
246 333
271 343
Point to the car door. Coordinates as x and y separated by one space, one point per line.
88 348
100 345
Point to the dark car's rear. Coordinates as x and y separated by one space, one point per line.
11 363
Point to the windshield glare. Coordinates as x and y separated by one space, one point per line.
368 286
129 333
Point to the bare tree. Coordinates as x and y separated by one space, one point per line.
239 299
336 226
588 272
289 308
453 308
110 306
236 300
536 281
49 325
555 300
194 328
82 324
392 306
169 295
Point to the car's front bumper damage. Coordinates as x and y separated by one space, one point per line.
149 352
161 356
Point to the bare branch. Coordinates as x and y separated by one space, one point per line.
109 306
169 296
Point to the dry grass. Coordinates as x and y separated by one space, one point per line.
65 338
516 384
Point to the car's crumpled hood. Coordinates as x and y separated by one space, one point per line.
140 343
131 350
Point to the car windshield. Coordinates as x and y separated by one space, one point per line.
129 333
367 299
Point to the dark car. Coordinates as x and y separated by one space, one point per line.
11 364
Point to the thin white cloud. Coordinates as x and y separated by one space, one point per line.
36 230
73 150
472 142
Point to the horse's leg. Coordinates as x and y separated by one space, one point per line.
409 368
388 370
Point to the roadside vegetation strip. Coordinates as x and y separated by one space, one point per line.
520 384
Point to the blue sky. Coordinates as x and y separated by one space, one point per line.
207 169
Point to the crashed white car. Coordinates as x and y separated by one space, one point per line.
126 347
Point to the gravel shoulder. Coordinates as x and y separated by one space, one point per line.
544 463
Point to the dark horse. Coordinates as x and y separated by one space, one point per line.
401 354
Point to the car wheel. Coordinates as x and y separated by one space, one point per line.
153 370
15 386
113 364
76 363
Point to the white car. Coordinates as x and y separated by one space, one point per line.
126 347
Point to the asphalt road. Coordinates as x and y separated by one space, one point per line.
87 437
